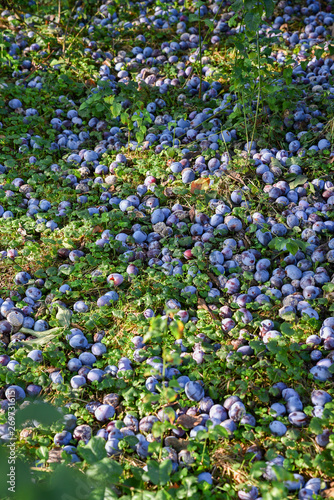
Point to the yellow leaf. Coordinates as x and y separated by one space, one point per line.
201 184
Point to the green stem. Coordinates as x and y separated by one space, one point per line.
259 90
200 53
40 334
245 118
207 33
204 448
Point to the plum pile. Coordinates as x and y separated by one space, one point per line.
168 276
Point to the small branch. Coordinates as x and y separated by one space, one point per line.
59 10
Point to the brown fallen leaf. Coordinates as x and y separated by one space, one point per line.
55 455
27 433
188 421
237 343
168 191
90 82
330 297
192 213
214 279
22 231
5 338
52 369
236 177
329 493
82 242
201 184
190 155
177 444
139 214
202 305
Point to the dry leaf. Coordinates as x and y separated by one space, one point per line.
168 191
82 242
214 279
202 305
328 493
181 214
188 421
22 231
235 176
52 369
192 213
201 184
177 444
139 214
90 82
55 455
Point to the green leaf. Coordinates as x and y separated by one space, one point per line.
44 413
51 271
41 337
252 21
116 109
292 247
311 188
269 6
193 18
109 99
54 62
275 163
209 23
158 474
218 432
277 243
287 329
64 317
328 287
105 470
273 346
66 270
43 453
66 483
315 425
162 495
103 493
94 451
318 53
298 181
139 136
